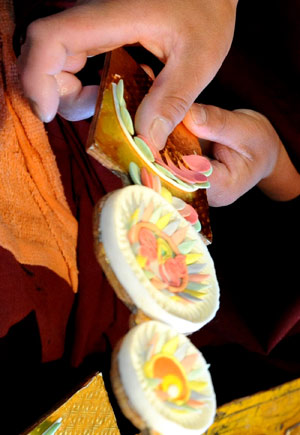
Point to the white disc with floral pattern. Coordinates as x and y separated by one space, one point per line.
159 258
166 380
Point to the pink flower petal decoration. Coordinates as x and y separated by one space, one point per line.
198 176
185 174
173 270
162 395
159 160
198 277
179 235
189 361
190 214
181 265
185 211
156 183
146 178
148 212
192 219
195 403
169 273
148 243
132 234
157 283
197 163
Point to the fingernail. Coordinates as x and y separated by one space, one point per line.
34 108
159 132
198 114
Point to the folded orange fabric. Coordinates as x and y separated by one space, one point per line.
36 223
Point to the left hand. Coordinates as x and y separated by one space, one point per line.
245 151
175 31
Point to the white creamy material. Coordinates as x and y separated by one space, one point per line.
113 228
155 412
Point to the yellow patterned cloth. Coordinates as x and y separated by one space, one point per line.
87 412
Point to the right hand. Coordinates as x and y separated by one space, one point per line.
245 151
191 37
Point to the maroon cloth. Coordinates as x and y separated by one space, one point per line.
255 239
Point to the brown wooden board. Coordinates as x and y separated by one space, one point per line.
108 144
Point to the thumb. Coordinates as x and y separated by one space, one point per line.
232 129
169 99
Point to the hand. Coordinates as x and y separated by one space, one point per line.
245 151
191 37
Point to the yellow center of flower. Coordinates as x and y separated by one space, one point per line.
164 251
172 385
173 377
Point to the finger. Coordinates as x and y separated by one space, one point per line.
52 43
232 129
148 70
76 102
170 97
230 177
217 194
232 156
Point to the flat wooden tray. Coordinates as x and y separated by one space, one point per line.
107 142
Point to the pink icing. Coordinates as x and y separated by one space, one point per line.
132 234
150 180
162 395
146 178
156 183
179 235
148 212
197 163
198 277
182 171
181 265
195 403
189 361
148 244
189 213
153 182
158 283
173 270
193 220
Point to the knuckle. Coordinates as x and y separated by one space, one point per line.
217 119
42 29
175 107
35 29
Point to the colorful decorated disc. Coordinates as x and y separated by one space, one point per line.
158 258
166 380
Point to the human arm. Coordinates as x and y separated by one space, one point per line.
192 38
245 151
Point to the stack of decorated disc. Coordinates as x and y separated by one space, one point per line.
148 241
